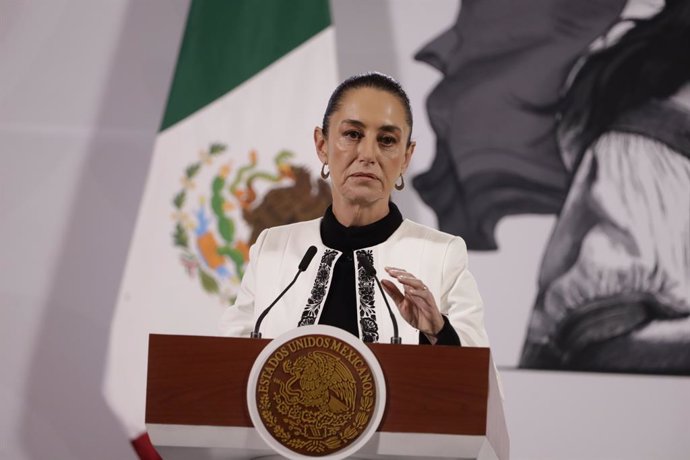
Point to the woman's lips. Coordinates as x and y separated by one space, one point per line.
364 175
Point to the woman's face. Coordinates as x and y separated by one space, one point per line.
366 149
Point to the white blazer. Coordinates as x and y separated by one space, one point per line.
437 258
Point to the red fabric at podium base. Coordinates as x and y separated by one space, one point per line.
144 449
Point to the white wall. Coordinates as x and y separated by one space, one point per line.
82 89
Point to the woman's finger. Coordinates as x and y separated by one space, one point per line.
405 277
398 272
392 291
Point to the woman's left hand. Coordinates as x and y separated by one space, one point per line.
416 304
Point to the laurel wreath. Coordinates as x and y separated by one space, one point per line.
349 433
180 233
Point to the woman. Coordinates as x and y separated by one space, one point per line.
365 147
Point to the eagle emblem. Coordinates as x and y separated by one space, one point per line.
321 381
316 395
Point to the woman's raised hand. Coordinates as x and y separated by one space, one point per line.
416 303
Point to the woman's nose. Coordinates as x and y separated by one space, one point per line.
366 149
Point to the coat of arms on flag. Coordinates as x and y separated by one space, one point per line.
222 207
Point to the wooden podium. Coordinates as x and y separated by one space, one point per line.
442 402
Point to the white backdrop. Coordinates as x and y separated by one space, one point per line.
82 89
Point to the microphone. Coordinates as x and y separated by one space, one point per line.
306 260
371 271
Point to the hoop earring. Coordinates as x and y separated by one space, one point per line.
402 183
324 173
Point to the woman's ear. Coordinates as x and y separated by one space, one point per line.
409 151
320 142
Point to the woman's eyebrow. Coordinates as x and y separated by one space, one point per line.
394 129
387 128
391 129
350 121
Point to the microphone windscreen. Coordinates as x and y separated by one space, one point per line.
364 262
306 260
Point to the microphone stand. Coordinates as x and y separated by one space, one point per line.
306 260
255 334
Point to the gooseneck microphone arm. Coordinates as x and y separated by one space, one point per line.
306 260
371 271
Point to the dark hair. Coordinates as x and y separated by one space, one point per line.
374 80
650 61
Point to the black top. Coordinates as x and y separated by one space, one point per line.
340 306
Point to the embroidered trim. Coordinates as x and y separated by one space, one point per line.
367 310
318 291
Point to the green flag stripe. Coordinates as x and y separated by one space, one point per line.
226 42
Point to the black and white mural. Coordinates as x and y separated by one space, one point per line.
581 110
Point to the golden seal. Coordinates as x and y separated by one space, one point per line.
315 394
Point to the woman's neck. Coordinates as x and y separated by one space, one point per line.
358 215
337 236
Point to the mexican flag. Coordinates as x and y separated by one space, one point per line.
234 155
